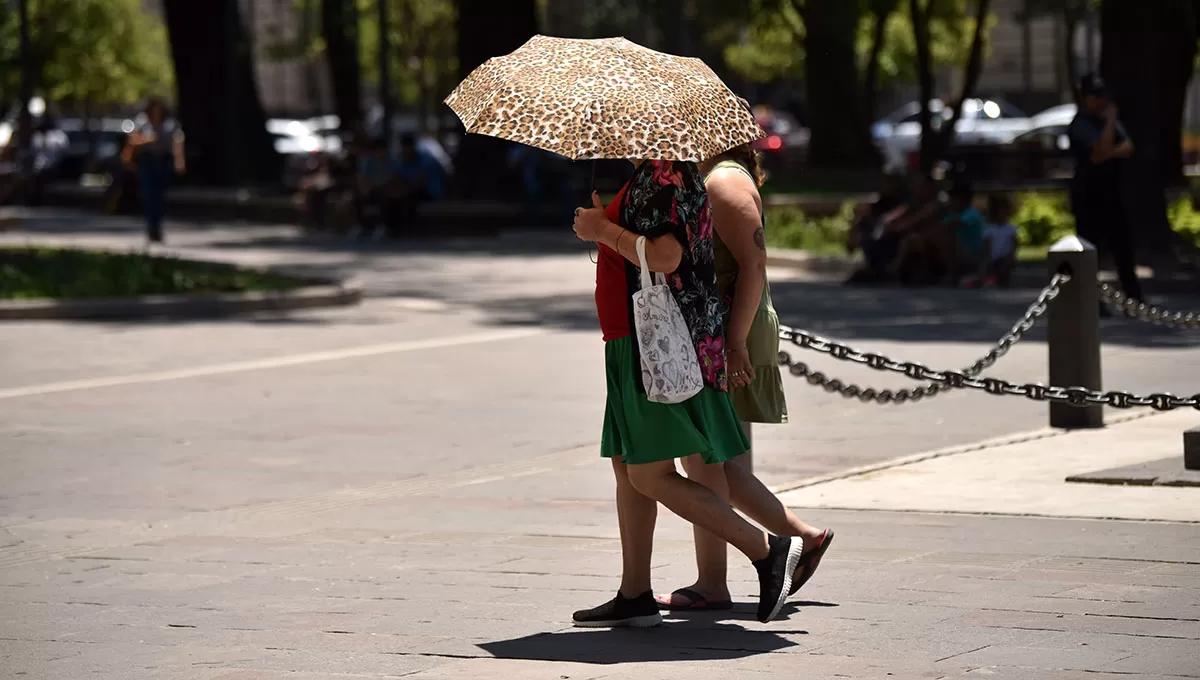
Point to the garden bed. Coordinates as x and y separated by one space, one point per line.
28 273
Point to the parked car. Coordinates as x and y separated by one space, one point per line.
983 121
1041 153
94 147
786 145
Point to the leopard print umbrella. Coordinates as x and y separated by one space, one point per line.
608 98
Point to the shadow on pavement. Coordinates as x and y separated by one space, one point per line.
516 243
676 640
863 316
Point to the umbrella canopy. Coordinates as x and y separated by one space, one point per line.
607 98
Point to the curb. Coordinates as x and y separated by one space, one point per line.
804 261
183 306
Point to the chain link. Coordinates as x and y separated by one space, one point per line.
1137 309
877 362
1075 396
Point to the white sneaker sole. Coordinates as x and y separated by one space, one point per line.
795 550
647 621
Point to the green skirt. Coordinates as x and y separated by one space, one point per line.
637 430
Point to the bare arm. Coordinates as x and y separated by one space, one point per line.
177 151
663 253
1103 149
737 218
1123 150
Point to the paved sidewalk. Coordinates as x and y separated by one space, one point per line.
412 487
473 574
1025 475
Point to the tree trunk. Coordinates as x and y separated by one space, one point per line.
488 29
942 138
1027 47
882 11
1179 57
339 27
1071 26
920 22
219 108
840 135
312 91
1147 65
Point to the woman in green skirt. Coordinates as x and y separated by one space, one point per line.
666 204
752 347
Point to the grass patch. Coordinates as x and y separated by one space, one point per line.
1042 218
789 227
27 273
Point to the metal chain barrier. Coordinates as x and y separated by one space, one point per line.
868 394
1148 313
1075 396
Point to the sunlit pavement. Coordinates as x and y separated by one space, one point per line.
412 486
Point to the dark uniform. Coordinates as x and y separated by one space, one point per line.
1096 198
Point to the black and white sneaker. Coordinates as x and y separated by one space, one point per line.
775 574
620 612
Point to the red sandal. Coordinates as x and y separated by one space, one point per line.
809 563
697 602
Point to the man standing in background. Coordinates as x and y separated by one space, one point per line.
1100 146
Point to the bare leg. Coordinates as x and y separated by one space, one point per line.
751 496
748 494
636 516
698 505
712 558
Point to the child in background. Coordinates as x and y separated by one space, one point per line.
1000 239
967 251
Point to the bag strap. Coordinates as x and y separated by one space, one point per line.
659 278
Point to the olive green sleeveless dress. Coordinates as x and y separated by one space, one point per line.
761 401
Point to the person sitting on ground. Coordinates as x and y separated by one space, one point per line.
870 225
371 190
869 219
901 251
313 191
962 251
1000 240
417 177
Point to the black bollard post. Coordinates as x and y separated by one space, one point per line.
1074 336
1191 449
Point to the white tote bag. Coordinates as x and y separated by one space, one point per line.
670 368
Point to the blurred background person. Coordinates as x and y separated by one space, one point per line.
156 151
417 177
1100 146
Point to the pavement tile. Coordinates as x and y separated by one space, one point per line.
1189 630
514 669
1026 672
1077 658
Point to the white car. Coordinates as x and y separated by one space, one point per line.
983 121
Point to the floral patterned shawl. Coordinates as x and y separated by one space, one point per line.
666 197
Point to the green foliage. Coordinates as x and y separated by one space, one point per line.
768 44
422 35
789 227
766 47
950 29
1185 219
27 273
1042 218
103 51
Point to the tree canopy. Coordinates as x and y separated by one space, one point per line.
766 43
102 51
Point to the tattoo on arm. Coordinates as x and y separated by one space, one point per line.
760 239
